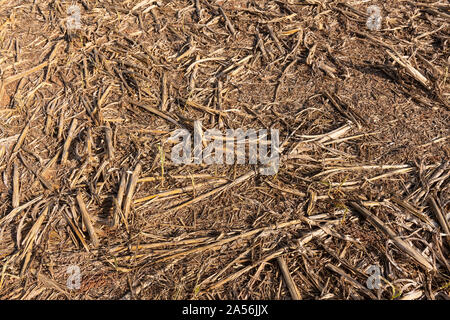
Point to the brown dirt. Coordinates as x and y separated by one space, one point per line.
375 192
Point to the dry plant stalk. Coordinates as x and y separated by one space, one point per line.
351 280
440 218
400 243
87 220
70 136
130 190
16 186
295 294
109 143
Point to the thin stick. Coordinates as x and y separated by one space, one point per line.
198 10
89 144
130 190
75 228
16 186
351 280
164 92
27 243
109 142
119 198
60 125
275 39
41 178
405 205
87 220
410 69
227 22
295 294
246 269
69 138
260 44
400 243
440 217
10 216
246 176
154 111
179 190
220 243
197 176
198 106
25 73
358 168
21 138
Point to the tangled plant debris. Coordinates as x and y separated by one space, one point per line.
91 207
